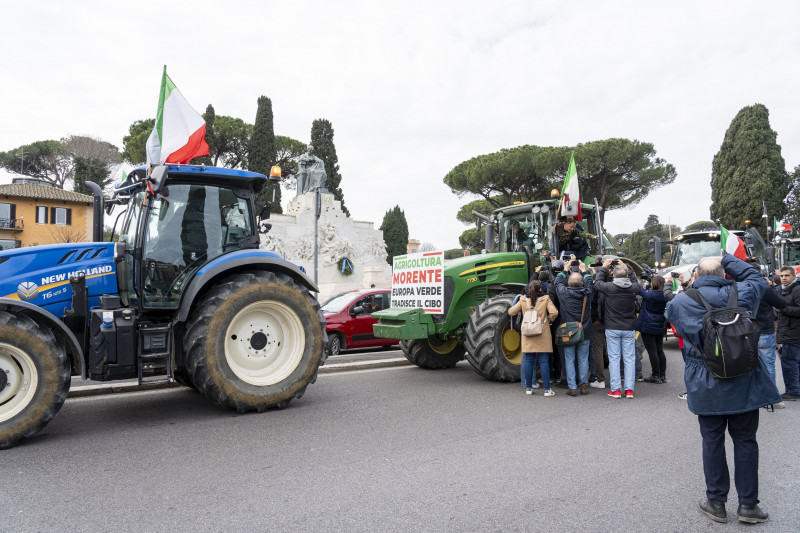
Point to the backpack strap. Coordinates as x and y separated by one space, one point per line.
695 295
733 296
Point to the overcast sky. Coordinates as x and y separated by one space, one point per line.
414 88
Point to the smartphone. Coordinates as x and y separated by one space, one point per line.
575 263
676 275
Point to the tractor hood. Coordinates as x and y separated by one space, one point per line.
40 274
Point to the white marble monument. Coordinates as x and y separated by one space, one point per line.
292 236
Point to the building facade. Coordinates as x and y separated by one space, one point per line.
32 214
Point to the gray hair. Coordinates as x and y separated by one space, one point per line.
575 280
709 267
620 271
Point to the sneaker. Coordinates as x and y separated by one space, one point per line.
535 386
662 379
598 384
652 379
751 514
629 394
615 394
714 510
682 396
548 392
779 405
639 378
529 391
789 396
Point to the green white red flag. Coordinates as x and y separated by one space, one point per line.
570 191
731 243
780 226
180 131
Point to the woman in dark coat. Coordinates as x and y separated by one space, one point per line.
651 325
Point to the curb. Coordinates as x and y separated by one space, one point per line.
84 391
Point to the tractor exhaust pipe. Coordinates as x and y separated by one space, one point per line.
97 224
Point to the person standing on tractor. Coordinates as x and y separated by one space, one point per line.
572 239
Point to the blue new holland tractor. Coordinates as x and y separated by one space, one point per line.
184 295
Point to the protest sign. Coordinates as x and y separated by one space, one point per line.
418 281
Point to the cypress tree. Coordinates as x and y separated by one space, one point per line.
395 233
322 146
262 152
748 170
208 116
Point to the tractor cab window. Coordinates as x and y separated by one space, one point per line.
127 235
523 231
691 252
792 253
187 226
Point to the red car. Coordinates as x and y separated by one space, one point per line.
349 317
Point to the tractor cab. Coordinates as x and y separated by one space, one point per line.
168 234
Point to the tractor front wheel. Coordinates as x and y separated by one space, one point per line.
433 353
34 377
493 347
255 341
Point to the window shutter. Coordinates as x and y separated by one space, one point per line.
52 215
13 211
69 217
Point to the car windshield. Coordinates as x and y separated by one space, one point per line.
691 252
338 302
523 231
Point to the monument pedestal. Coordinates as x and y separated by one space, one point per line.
292 236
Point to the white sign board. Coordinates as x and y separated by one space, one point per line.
418 281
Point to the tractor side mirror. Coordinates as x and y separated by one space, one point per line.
157 178
655 248
265 212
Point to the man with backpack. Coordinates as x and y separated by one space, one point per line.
715 319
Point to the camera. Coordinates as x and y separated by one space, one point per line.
575 263
676 275
614 262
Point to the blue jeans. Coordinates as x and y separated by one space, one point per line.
790 364
528 367
766 352
582 350
621 344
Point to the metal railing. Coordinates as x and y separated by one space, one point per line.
11 223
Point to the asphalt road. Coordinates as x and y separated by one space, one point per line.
395 449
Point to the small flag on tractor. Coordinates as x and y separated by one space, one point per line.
778 227
570 191
731 243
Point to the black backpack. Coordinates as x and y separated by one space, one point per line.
730 337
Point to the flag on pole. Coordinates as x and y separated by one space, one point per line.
780 226
179 135
731 243
570 191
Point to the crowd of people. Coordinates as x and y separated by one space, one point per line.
618 317
615 311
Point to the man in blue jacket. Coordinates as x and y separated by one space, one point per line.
720 403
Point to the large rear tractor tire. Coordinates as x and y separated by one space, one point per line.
35 377
432 353
255 341
493 347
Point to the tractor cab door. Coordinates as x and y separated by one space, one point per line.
757 250
187 225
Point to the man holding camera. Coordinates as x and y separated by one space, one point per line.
620 321
574 291
572 239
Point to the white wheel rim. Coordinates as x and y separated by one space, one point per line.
264 343
22 379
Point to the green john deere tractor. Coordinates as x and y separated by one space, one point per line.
479 290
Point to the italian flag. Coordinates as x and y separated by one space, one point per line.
777 227
570 192
731 243
179 135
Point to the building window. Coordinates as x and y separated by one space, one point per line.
61 216
8 244
41 214
8 213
